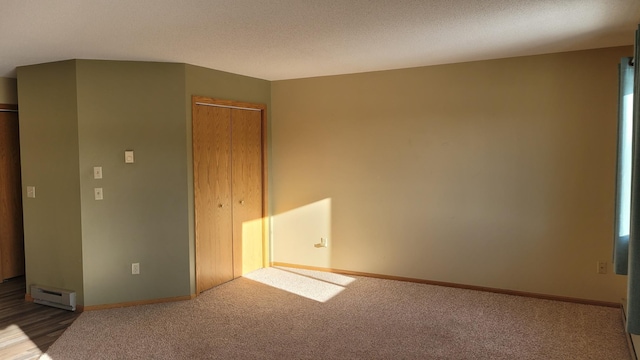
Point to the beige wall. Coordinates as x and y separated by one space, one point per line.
8 91
494 173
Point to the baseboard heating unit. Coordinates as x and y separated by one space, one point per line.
63 299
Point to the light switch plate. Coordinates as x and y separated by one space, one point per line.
98 193
97 172
31 191
128 156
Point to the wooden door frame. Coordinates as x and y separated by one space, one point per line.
197 99
19 261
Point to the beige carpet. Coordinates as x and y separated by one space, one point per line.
281 313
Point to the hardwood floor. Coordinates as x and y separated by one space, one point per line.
27 329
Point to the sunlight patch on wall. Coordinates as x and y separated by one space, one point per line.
297 231
302 285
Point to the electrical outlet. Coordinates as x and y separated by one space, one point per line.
322 244
135 268
602 267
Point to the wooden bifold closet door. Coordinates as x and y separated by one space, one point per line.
228 190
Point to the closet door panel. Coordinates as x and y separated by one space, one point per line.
247 190
212 200
11 229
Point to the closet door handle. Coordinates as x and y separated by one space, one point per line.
241 202
221 205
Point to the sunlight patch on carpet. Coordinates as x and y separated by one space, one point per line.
315 289
323 276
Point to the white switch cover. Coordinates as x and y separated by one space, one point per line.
128 156
135 268
97 172
31 191
98 193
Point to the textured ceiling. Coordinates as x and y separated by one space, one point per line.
284 39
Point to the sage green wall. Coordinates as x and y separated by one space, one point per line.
143 218
220 85
49 156
101 109
494 173
8 91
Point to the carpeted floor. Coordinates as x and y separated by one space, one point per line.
282 313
